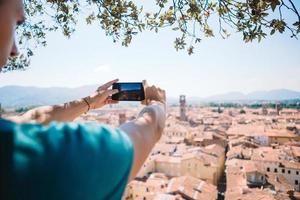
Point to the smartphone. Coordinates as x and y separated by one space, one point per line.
129 91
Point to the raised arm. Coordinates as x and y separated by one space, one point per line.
68 111
146 130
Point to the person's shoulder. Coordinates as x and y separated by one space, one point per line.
94 128
100 135
86 128
114 139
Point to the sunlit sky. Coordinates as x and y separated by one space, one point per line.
218 66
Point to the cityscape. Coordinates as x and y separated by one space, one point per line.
217 153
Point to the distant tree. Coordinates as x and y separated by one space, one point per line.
23 109
255 106
220 110
122 19
242 111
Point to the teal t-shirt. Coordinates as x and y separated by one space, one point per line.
64 161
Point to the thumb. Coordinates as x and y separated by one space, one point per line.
145 84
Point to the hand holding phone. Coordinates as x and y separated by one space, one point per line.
153 93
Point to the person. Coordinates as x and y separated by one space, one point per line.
44 155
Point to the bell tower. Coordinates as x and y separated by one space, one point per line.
182 102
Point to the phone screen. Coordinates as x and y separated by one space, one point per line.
129 92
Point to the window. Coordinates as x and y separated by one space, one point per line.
297 172
296 182
268 169
283 171
275 170
289 171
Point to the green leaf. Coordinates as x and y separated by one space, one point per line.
272 32
274 4
296 24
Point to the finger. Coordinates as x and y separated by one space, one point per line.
107 85
111 92
145 84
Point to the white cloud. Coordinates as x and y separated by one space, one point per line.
103 68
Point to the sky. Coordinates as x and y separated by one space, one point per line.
217 66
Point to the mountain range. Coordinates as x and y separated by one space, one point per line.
19 96
279 95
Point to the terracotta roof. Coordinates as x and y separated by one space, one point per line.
239 150
206 159
215 149
167 159
296 151
251 166
174 140
279 181
198 139
236 170
249 194
165 197
161 176
164 148
177 128
278 155
192 187
259 129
